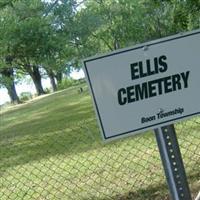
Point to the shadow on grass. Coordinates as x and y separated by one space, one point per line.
43 131
19 150
51 120
157 191
49 127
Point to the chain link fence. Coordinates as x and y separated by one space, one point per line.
74 164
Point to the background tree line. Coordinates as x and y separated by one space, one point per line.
50 37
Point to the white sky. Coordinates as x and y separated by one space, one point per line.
25 87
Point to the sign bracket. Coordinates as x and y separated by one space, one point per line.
172 162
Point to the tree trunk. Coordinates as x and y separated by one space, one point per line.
59 77
53 83
116 44
12 93
10 84
52 79
37 80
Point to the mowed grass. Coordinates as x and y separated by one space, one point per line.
51 148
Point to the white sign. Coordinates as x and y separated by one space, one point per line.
146 86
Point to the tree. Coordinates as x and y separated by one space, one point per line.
49 35
37 40
7 79
25 37
105 25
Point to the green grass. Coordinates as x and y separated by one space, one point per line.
50 148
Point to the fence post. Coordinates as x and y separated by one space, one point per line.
172 163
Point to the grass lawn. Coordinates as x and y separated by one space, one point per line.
51 148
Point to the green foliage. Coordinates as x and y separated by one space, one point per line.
30 37
66 83
5 81
25 96
51 34
47 91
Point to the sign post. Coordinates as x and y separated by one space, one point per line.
172 163
145 87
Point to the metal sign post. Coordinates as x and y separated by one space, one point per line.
172 163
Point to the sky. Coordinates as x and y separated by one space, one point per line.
29 87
